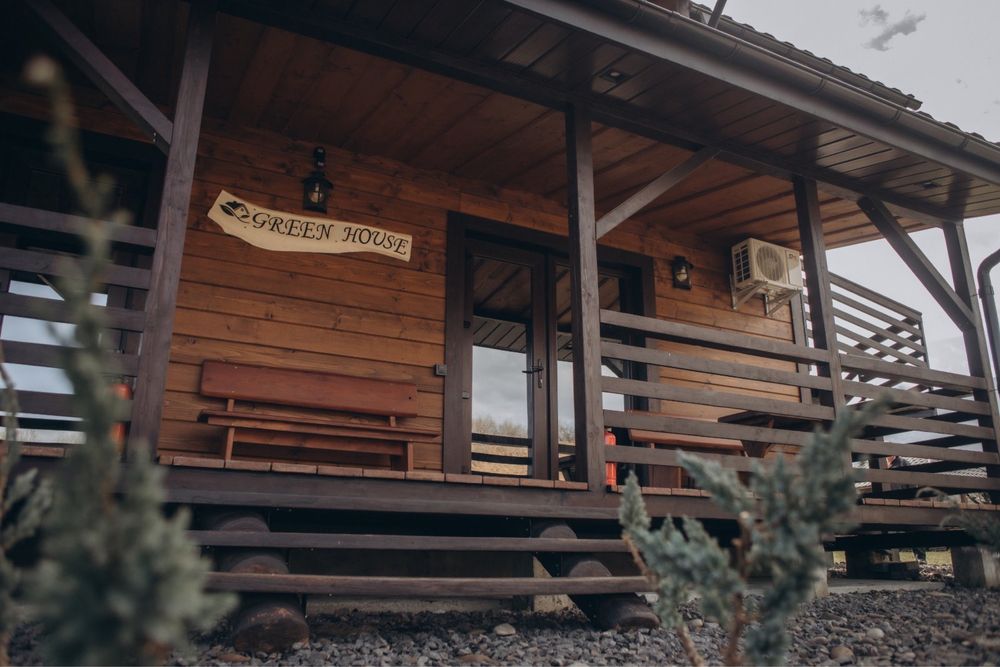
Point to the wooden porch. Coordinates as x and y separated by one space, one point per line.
646 149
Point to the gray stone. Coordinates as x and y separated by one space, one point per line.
876 634
504 630
842 654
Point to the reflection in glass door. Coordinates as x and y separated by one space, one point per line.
506 290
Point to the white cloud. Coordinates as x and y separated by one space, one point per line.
905 26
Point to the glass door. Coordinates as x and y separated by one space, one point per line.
506 292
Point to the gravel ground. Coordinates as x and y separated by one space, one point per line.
953 627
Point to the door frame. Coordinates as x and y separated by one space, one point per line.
457 417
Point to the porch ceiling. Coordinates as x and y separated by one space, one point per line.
316 90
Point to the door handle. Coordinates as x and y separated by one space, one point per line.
537 371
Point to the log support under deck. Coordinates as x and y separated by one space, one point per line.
263 622
620 610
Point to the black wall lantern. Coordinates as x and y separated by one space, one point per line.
681 268
315 187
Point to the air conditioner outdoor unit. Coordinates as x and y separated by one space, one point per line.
766 269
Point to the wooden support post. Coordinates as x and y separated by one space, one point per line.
955 306
171 227
620 610
586 306
263 622
824 329
976 348
103 73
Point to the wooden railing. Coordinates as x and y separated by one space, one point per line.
35 247
510 455
937 406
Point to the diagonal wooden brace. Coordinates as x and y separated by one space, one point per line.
654 189
105 75
918 262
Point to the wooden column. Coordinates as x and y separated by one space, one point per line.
824 330
171 227
585 301
976 348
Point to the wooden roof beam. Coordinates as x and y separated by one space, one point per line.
105 75
918 262
654 189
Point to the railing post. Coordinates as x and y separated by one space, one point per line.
161 301
976 349
586 307
824 331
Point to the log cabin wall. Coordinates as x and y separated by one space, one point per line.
367 315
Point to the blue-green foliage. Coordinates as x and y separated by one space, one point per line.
782 514
119 582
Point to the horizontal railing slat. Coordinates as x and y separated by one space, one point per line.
670 457
916 374
51 356
51 221
44 263
666 424
228 538
60 405
875 297
693 334
912 397
647 355
52 310
868 310
885 332
868 343
721 399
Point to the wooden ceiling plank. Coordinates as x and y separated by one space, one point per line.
157 53
405 16
542 137
455 102
231 56
261 78
541 40
478 26
388 125
298 84
512 31
322 105
496 118
443 18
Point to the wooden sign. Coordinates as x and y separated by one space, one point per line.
292 232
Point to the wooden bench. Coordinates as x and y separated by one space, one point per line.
320 393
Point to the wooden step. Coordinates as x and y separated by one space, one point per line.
226 538
432 587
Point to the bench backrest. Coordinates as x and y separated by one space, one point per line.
308 389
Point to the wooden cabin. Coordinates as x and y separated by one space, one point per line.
515 187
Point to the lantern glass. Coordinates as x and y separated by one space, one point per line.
681 269
315 187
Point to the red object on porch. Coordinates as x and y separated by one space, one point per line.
610 469
124 392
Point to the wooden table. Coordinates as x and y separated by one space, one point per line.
759 449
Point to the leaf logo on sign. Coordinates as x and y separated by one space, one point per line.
237 209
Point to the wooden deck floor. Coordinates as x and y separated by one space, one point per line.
305 487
